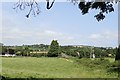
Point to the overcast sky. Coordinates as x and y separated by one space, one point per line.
63 22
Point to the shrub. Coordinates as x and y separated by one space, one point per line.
31 54
114 67
37 54
97 63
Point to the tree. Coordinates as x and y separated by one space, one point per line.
54 49
111 52
3 50
11 51
104 6
83 52
117 61
27 51
24 51
117 57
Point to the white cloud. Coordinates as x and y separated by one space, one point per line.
49 34
109 35
52 33
105 38
15 34
95 36
32 36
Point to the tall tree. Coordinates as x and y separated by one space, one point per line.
117 57
54 49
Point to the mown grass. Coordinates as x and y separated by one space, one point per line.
24 67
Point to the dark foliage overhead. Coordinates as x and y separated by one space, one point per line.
104 6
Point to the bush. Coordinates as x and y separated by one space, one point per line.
114 67
97 63
37 54
31 54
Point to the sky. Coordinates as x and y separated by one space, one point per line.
63 22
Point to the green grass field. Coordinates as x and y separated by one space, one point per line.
25 67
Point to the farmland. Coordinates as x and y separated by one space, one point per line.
45 67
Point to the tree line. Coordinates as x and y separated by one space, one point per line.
55 50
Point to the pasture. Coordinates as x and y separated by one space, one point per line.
44 67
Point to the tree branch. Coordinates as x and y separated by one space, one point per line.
49 6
